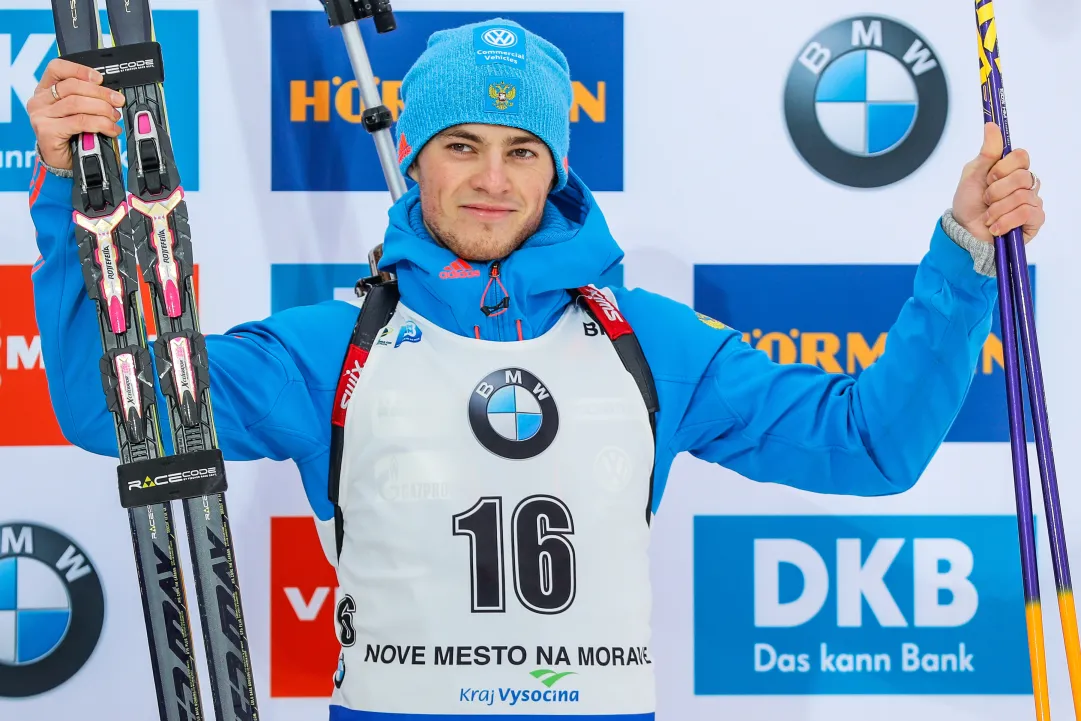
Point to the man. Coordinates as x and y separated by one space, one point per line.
492 383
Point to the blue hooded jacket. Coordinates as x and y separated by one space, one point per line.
720 399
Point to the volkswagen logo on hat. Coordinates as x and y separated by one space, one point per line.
51 609
866 102
512 414
500 37
500 44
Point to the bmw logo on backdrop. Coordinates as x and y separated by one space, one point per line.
512 414
51 609
866 101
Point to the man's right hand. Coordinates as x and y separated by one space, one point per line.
84 106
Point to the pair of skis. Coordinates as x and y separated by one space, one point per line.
119 232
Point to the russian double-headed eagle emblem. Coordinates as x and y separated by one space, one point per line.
502 94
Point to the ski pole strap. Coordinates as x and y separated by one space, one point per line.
616 327
126 66
379 305
171 478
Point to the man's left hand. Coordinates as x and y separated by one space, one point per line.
998 194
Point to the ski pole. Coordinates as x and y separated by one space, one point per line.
1015 297
376 118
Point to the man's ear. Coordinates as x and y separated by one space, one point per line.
412 172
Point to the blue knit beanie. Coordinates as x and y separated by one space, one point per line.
495 72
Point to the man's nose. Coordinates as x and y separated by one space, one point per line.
492 176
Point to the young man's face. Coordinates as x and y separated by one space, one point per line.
483 188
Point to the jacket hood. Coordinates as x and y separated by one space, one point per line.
518 297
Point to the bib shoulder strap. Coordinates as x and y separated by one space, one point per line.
379 306
604 311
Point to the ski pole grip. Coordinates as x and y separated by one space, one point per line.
127 66
171 478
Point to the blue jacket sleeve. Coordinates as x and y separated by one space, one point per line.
272 382
795 424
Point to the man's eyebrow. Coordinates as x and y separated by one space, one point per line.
521 140
509 142
463 134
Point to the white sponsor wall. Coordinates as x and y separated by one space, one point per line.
710 176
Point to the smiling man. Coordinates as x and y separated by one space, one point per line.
494 372
489 221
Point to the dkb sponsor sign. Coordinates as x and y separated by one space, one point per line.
858 605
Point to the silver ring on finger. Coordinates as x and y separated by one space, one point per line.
1035 181
52 89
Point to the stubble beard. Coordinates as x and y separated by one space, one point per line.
481 249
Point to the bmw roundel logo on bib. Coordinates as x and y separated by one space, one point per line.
512 414
866 101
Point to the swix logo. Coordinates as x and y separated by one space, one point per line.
347 384
28 43
352 376
315 101
303 598
459 269
806 314
606 305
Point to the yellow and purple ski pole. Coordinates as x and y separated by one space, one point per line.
1015 295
